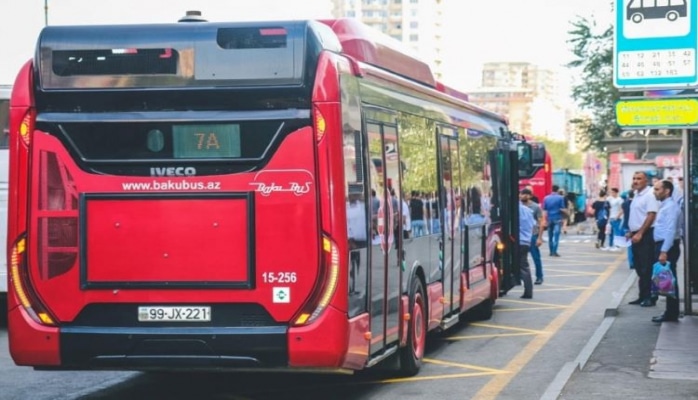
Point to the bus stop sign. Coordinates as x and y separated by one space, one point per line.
655 44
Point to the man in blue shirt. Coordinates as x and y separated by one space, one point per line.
552 208
666 239
526 223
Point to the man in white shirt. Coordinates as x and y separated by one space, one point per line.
643 211
616 216
667 243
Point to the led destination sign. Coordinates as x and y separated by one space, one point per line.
206 141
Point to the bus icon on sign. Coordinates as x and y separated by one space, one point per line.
639 10
656 18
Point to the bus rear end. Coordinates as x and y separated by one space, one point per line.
165 200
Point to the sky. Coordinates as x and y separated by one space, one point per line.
476 31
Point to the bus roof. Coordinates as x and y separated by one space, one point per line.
376 48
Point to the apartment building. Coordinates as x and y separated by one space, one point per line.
528 95
416 23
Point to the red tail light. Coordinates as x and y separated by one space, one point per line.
320 124
26 127
329 277
19 282
58 217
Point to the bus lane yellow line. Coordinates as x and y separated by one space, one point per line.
560 273
562 289
495 386
556 286
568 262
438 377
463 366
489 336
528 309
523 302
477 371
508 328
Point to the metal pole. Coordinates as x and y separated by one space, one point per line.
687 157
45 12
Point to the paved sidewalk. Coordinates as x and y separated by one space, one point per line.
634 358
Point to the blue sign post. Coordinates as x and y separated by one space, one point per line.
655 44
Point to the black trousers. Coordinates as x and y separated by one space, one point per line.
672 303
643 259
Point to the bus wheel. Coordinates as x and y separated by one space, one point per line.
637 18
672 16
412 354
483 311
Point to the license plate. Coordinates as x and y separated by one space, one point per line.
174 314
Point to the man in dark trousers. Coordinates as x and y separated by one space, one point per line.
643 211
526 223
667 240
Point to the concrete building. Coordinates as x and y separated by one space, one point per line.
530 96
417 23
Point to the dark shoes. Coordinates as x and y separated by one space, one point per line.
538 282
664 318
529 296
556 254
635 302
648 303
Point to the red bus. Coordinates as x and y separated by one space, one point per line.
540 175
203 195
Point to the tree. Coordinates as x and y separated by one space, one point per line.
595 92
560 154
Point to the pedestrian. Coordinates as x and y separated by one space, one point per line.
537 232
566 213
525 232
667 243
417 214
601 211
615 217
533 196
627 200
553 204
643 211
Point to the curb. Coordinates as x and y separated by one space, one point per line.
553 391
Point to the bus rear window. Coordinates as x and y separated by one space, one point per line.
128 61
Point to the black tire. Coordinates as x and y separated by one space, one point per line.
483 311
412 354
3 310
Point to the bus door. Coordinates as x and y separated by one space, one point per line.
504 213
386 262
449 176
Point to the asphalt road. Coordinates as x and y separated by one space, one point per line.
515 355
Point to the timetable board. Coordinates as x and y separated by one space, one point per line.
655 44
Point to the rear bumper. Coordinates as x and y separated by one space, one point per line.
169 348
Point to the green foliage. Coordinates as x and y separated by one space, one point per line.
595 92
562 158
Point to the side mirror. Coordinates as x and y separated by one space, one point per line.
525 157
